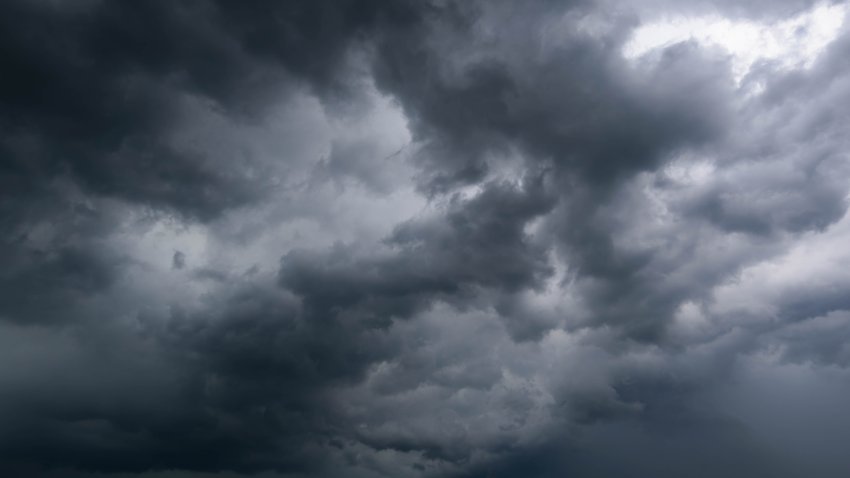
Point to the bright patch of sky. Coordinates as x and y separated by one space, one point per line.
792 43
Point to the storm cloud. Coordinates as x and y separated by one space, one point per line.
433 238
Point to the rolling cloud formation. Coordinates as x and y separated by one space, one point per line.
424 238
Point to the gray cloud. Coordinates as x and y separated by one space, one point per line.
418 239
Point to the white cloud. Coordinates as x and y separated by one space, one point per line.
792 43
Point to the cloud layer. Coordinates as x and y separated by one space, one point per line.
423 239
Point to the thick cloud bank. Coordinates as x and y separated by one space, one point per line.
433 238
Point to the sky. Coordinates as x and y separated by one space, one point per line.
424 238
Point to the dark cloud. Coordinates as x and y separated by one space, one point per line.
92 90
567 100
419 239
478 245
718 448
178 261
570 104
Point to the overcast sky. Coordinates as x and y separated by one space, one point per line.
424 239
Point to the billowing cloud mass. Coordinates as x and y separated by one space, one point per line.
424 238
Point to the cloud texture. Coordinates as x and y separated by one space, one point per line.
430 238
